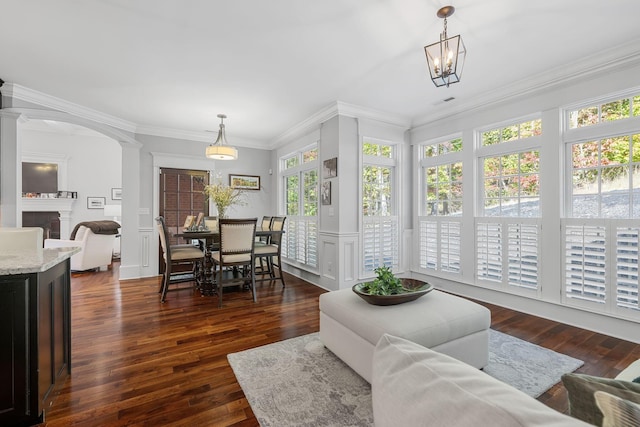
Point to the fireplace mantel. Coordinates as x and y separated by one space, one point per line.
63 206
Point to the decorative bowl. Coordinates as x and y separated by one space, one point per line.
414 290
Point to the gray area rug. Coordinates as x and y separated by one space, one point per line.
298 382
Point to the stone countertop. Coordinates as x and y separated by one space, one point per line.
33 261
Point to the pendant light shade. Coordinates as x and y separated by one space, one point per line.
221 150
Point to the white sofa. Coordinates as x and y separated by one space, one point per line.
96 249
415 386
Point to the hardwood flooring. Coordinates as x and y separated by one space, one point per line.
138 362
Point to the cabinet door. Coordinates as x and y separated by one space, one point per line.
53 332
14 360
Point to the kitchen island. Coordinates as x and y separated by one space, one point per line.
35 331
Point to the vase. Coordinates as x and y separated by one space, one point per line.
414 289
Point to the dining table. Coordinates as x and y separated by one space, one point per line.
207 285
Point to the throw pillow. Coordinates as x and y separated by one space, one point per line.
617 412
581 389
412 385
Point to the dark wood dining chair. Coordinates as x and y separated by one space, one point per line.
237 239
211 222
177 256
271 252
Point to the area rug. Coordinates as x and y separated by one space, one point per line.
298 382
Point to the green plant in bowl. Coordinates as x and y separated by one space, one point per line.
385 284
386 289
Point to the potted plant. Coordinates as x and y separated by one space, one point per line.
387 289
224 196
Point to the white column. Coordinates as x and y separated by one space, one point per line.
131 240
10 171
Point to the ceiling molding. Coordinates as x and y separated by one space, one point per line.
343 109
33 96
614 60
200 136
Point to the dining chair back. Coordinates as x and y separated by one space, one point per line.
211 222
272 251
174 256
237 238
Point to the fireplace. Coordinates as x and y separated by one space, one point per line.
48 221
58 210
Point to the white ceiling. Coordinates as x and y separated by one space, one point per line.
270 64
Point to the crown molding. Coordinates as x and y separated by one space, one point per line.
33 96
612 60
199 136
343 109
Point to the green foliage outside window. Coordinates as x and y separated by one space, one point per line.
605 161
614 110
310 199
292 187
376 191
512 132
378 150
445 147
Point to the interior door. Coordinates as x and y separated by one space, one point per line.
181 194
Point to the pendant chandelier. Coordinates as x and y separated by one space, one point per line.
221 150
446 57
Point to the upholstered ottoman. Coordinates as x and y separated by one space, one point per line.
351 328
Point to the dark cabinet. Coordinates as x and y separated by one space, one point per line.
35 342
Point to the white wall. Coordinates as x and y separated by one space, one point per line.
94 166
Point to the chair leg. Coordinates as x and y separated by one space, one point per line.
253 281
165 287
220 287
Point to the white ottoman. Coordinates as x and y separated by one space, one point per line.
351 328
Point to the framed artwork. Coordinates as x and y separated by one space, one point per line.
96 202
325 193
244 182
116 194
330 168
188 222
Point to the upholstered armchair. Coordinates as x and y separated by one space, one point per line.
96 249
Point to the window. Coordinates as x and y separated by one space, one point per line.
380 221
608 111
606 178
300 182
512 132
600 228
512 185
440 218
508 230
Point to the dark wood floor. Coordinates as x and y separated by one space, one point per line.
138 362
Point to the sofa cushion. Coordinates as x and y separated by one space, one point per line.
617 412
581 389
415 386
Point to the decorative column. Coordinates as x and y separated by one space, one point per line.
10 170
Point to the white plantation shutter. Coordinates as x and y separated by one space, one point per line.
627 242
585 261
450 246
429 245
380 242
440 245
523 255
300 240
508 251
489 251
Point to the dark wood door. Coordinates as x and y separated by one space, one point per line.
181 194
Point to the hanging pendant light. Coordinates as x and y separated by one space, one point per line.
221 150
446 57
